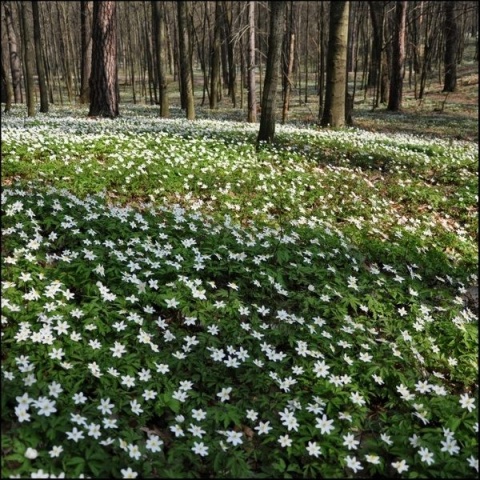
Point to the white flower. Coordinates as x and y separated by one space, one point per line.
199 415
375 459
225 394
285 441
353 463
325 425
473 462
426 456
313 449
31 453
154 444
400 466
128 473
467 402
200 449
356 398
263 427
350 442
235 438
450 446
55 451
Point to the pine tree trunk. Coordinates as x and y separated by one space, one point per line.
185 60
215 58
335 94
104 78
37 37
158 9
252 102
269 98
451 43
15 65
28 60
86 47
7 90
398 57
288 54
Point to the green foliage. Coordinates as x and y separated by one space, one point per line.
176 304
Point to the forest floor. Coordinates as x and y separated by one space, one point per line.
177 303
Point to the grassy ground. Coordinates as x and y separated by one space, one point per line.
177 303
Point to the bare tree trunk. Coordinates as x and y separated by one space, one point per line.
158 9
252 102
398 57
451 46
37 37
185 60
269 99
323 49
288 55
28 60
7 90
335 95
104 76
215 57
86 8
15 66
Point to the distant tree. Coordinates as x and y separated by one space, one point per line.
287 60
28 58
398 57
269 97
451 47
335 92
185 59
215 57
40 61
104 79
159 34
86 49
252 103
7 91
15 66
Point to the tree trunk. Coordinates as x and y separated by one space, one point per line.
104 76
185 59
158 10
86 47
215 58
7 90
335 95
37 37
451 42
252 102
269 98
287 63
398 57
28 60
15 65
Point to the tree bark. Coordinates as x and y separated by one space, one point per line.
104 76
288 54
28 60
215 58
15 66
37 37
185 59
252 103
158 10
269 98
398 57
7 90
451 45
86 47
335 94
